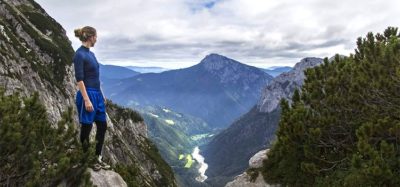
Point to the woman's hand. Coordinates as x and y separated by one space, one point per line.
88 105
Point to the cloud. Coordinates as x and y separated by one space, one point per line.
261 32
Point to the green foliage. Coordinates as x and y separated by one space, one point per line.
33 152
128 173
253 173
171 141
123 113
344 127
165 170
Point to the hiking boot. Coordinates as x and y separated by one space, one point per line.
96 167
102 164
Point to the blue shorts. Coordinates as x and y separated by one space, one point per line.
99 108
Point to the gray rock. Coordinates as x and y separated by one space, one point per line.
257 160
244 180
105 178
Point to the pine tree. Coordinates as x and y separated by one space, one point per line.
344 127
32 152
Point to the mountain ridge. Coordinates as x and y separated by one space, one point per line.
151 69
219 96
116 72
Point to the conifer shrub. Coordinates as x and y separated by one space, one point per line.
343 126
32 151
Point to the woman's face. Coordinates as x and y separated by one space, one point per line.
93 40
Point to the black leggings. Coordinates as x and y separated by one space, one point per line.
100 133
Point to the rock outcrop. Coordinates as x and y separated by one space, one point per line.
256 180
105 178
284 85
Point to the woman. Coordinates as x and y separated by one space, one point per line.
90 101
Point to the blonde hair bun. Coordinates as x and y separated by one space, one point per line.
78 32
84 33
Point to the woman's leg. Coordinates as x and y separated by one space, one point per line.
84 136
100 134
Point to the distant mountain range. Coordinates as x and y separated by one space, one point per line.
218 89
277 70
116 72
147 69
228 152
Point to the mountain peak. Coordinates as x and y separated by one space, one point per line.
307 62
214 56
215 61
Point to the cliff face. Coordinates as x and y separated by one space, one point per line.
36 56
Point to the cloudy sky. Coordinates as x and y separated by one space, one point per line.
262 33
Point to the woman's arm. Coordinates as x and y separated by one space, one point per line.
88 103
79 76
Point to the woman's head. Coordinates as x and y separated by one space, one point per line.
86 34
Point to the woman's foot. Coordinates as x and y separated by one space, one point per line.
101 164
96 167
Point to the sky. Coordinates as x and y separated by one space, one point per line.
263 33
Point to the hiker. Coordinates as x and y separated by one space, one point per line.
90 101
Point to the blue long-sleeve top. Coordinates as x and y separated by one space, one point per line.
86 68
